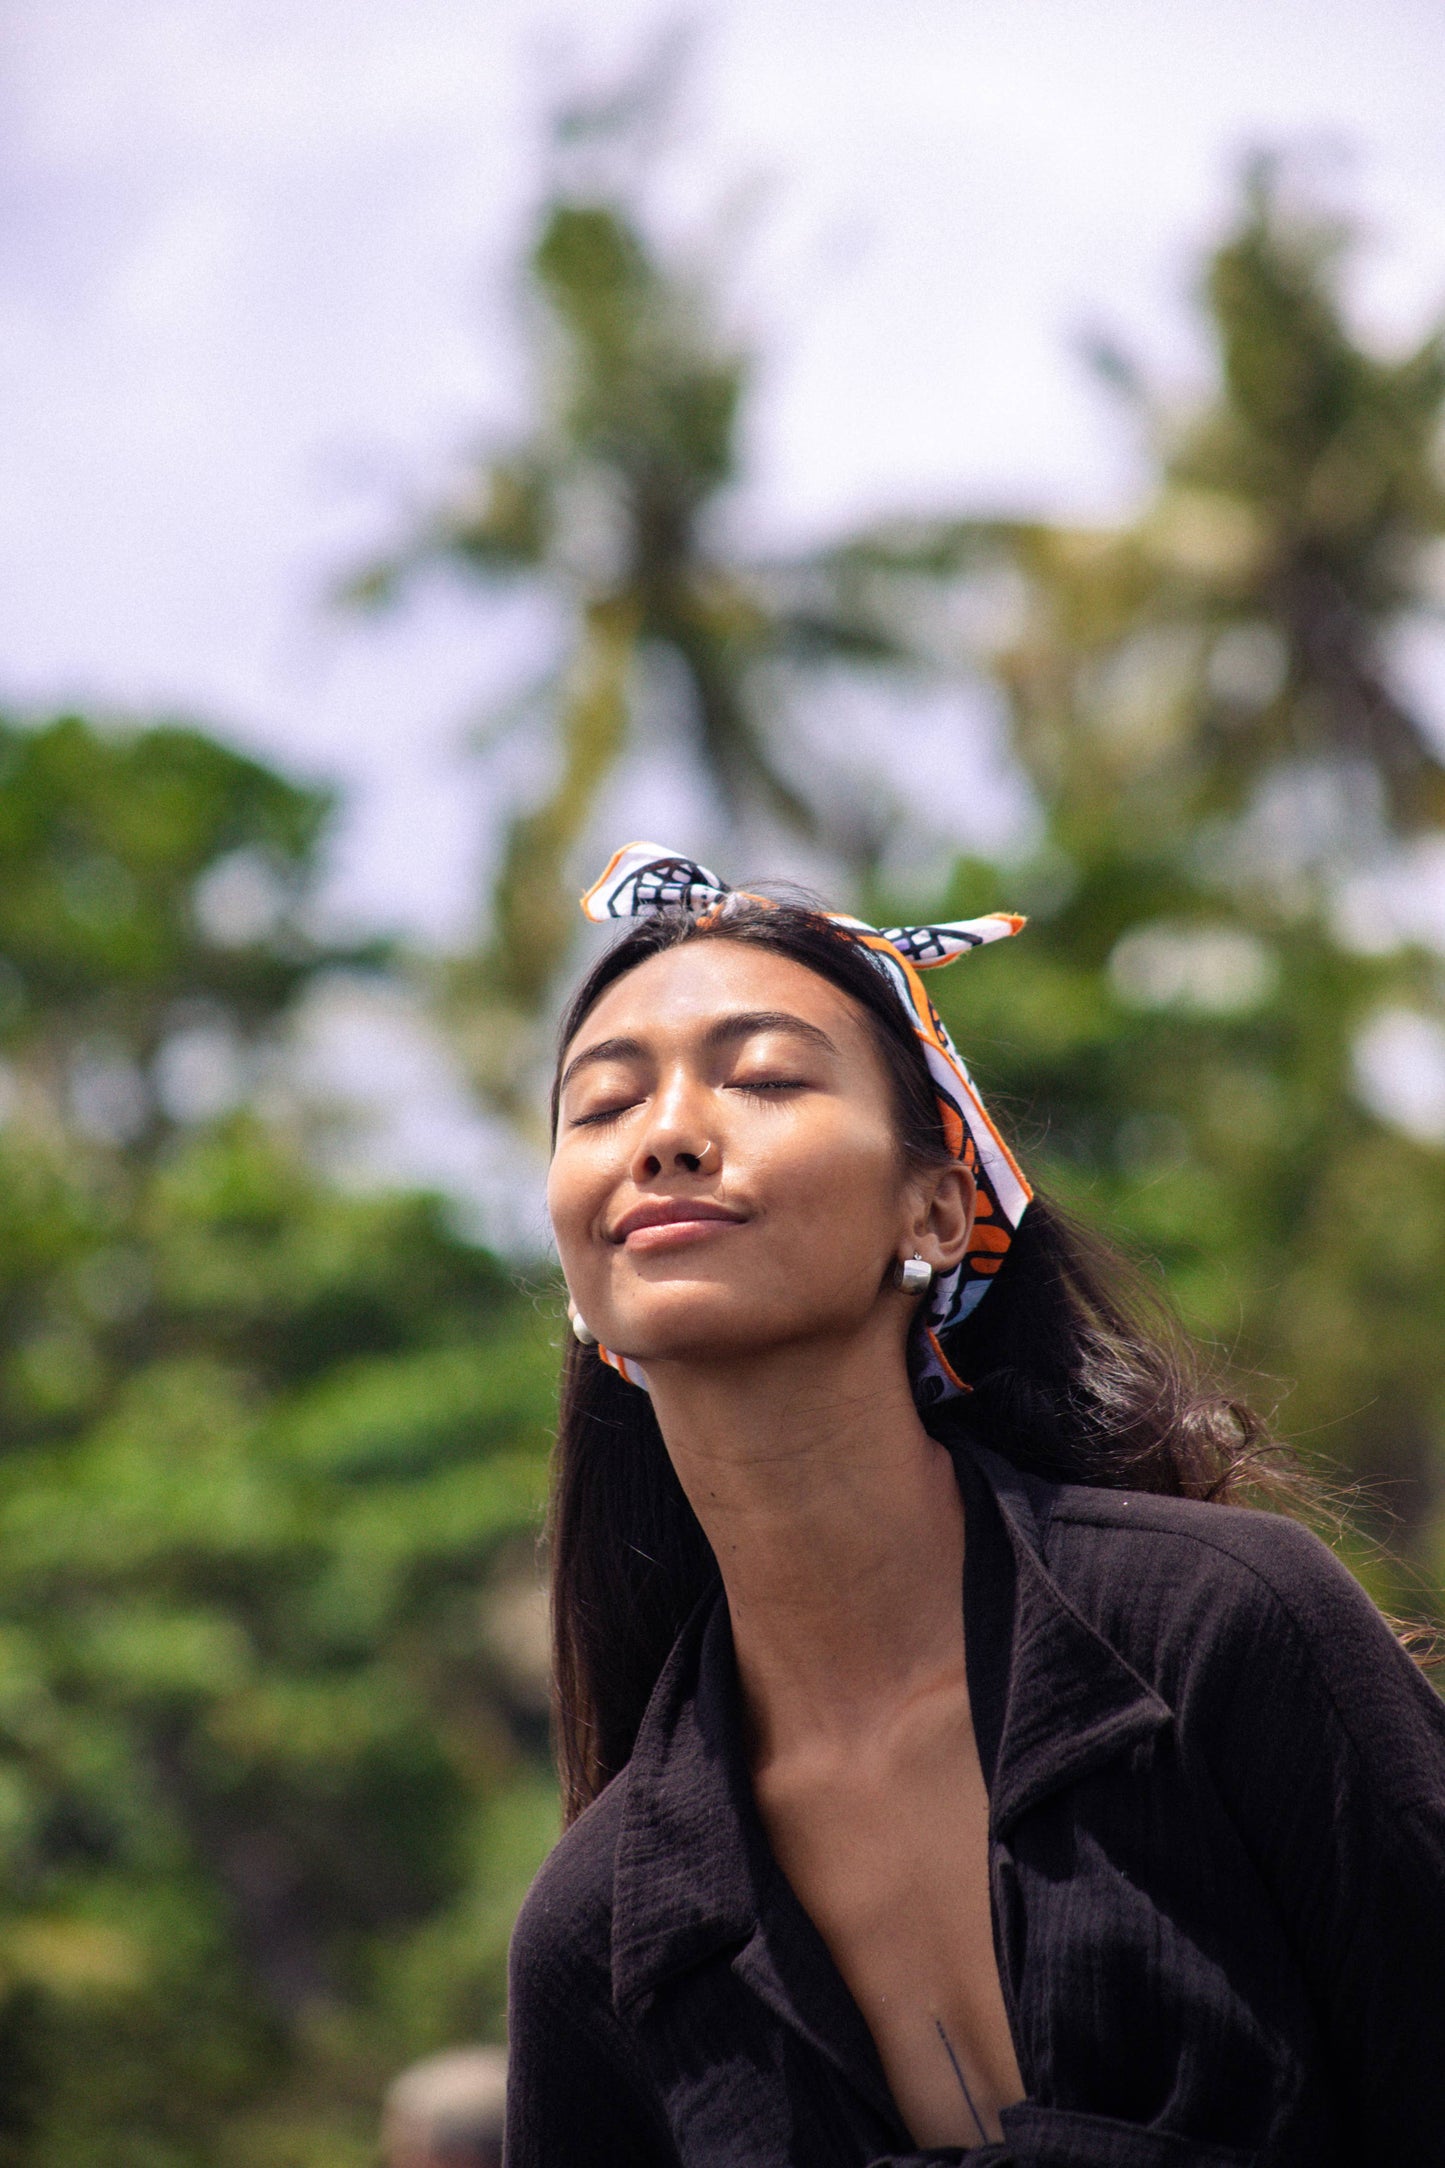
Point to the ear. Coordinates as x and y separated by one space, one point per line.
943 1216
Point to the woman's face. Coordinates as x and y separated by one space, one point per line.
727 1173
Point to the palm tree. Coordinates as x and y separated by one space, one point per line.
609 503
1235 637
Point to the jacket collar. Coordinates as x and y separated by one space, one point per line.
694 1874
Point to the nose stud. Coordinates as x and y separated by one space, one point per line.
915 1275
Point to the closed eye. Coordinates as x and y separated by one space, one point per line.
598 1115
770 1084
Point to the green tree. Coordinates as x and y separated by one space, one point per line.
272 1739
152 891
1238 634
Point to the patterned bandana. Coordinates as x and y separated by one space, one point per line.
644 879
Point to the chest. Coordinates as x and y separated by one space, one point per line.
886 1848
1155 2005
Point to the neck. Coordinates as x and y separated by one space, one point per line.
837 1526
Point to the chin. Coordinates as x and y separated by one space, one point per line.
693 1332
721 1332
690 1346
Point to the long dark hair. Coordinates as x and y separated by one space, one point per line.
1077 1370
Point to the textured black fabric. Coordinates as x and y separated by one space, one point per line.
1217 1863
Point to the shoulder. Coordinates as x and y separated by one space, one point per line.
1236 1556
1136 1551
562 1940
1245 1619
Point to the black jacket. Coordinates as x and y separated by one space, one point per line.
1217 1862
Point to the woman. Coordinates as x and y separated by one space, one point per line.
951 1772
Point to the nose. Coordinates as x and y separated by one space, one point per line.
651 1162
677 1139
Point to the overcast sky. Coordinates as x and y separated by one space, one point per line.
254 265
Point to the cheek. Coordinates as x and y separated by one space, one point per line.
575 1194
834 1191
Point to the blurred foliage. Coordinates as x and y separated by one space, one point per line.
1232 646
272 1722
1241 629
152 922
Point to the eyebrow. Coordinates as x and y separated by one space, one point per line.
745 1024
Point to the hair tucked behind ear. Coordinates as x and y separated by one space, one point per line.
1078 1370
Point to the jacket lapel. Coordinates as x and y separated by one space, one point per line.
686 1882
1071 1702
695 1878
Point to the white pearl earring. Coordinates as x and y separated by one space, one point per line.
581 1331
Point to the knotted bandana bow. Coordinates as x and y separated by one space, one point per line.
644 879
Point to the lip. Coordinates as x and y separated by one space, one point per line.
664 1221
